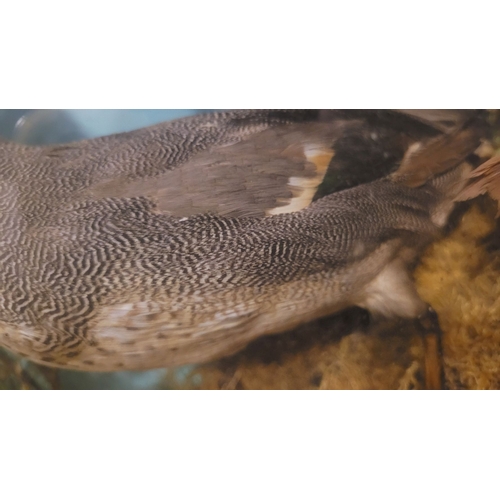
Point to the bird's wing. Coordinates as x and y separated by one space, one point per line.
247 163
270 171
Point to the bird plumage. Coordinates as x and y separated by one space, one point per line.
484 180
182 242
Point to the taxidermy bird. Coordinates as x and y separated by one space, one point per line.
182 242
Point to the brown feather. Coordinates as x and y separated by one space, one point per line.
424 161
485 179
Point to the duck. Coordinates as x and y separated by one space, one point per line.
184 241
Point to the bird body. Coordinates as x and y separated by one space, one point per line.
182 242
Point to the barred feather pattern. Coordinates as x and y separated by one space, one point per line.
107 283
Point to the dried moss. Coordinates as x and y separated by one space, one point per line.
332 353
460 277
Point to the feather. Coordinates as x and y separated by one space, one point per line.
423 161
485 179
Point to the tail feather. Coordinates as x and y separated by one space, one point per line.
485 179
424 161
